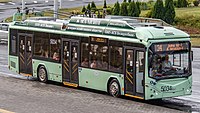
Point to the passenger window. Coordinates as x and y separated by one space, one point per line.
116 63
55 44
41 45
13 41
84 54
98 56
116 56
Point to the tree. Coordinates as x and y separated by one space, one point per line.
169 12
184 3
116 9
179 3
105 5
123 9
124 0
196 3
83 9
129 1
138 6
133 10
93 6
88 6
158 10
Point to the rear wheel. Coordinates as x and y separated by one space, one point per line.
114 88
42 74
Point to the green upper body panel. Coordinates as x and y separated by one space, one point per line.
153 33
108 28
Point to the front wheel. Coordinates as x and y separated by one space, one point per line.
42 74
114 88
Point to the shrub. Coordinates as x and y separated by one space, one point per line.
169 12
158 10
116 9
196 3
124 9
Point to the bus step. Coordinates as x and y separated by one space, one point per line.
128 95
24 74
70 84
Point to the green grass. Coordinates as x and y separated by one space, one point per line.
187 19
4 1
192 11
181 12
195 41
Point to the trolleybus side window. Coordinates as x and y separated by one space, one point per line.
98 53
41 44
98 56
13 42
55 44
116 63
84 54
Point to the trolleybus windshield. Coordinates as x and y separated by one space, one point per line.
168 60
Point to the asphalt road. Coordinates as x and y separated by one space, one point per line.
21 95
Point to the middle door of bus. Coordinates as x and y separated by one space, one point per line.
134 71
25 53
70 60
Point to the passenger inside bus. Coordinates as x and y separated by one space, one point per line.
157 66
93 64
56 56
104 64
41 51
85 62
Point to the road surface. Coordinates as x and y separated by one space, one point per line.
21 94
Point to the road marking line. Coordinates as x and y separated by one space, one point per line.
5 111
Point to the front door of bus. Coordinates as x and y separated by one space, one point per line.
134 72
70 58
25 54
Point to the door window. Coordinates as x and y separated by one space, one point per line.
140 68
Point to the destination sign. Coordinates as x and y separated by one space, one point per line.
99 40
171 47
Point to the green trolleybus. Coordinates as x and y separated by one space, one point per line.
137 57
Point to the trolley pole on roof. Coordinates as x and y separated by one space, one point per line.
55 9
23 11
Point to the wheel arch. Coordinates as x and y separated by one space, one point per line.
46 68
110 79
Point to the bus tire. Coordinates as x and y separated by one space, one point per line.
42 74
114 88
